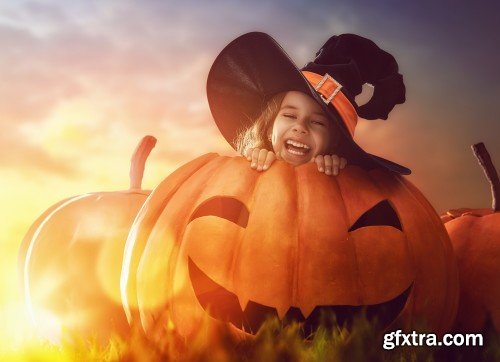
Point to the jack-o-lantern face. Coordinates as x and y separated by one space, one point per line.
224 305
221 239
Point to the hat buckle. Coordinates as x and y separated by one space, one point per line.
317 88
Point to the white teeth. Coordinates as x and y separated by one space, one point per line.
296 152
298 144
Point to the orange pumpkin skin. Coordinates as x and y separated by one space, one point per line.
475 236
70 262
281 238
455 213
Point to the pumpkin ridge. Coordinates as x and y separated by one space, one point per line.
29 251
216 164
408 191
255 201
295 251
447 315
451 288
241 241
156 237
319 231
144 224
230 272
360 286
26 242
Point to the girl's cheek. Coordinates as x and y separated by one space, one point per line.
274 139
274 143
321 146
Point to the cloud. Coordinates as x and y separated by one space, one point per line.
115 67
118 70
31 159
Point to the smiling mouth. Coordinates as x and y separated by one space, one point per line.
297 148
223 305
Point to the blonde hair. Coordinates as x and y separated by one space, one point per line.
257 135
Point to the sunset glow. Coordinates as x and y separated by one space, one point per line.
84 82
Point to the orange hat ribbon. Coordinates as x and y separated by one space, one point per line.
329 90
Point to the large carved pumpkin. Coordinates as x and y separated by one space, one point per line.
219 238
70 259
475 235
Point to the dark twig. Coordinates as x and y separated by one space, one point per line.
490 171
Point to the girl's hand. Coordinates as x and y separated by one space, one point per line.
330 164
260 158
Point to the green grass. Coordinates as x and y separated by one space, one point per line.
363 342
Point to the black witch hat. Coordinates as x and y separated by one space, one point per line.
254 67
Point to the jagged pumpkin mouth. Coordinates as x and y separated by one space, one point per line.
223 305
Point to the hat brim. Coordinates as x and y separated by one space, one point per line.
253 68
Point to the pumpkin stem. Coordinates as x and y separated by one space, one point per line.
490 171
138 161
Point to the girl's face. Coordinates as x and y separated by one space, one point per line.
300 130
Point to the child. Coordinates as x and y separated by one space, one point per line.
294 126
269 109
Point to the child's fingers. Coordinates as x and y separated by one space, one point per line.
320 162
248 154
255 158
269 160
330 164
335 164
343 163
261 159
329 167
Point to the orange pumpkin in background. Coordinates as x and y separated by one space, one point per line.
475 235
220 239
70 259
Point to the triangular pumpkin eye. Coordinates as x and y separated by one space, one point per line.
381 214
224 207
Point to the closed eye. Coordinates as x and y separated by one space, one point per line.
381 214
319 123
224 207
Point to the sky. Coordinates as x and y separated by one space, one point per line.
84 81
